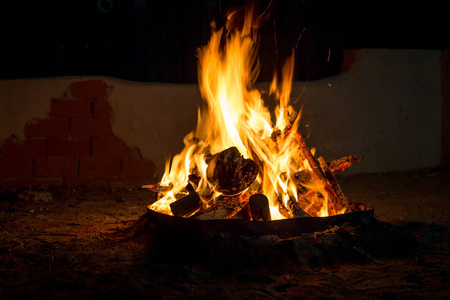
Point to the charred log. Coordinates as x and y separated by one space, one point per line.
338 201
301 178
228 207
295 210
230 172
259 207
186 205
339 165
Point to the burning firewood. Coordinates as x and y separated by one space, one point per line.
158 188
301 178
338 203
259 207
230 172
186 205
295 210
225 207
339 165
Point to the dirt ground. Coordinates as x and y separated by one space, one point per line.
86 242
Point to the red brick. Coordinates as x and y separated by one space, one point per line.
99 167
101 109
16 167
27 182
93 88
132 180
109 146
138 167
15 182
84 180
55 127
27 148
55 167
79 108
57 181
81 127
68 147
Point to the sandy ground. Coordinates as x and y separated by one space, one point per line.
86 242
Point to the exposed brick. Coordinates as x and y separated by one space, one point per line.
93 88
101 109
16 167
57 181
138 167
54 127
55 167
109 146
27 182
132 180
79 108
15 182
99 167
68 147
27 148
83 127
84 180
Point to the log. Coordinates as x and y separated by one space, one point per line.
259 207
301 178
222 213
186 205
228 207
295 210
230 173
157 188
339 202
245 213
306 153
340 164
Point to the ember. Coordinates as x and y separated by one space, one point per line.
237 153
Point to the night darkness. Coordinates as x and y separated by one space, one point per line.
141 41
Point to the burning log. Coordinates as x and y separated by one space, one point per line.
158 188
339 165
301 178
245 213
295 210
259 207
226 207
230 173
223 213
186 205
339 202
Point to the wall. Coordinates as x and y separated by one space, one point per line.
384 105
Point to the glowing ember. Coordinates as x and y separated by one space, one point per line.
235 128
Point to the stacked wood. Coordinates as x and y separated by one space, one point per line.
231 175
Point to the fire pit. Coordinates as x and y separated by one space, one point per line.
245 169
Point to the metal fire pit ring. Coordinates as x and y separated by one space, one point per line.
291 227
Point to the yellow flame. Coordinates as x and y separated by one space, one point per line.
235 116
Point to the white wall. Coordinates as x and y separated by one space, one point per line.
386 107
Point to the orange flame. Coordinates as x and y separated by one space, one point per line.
235 116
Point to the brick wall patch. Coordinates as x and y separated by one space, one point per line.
74 145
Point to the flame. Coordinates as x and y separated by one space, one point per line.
234 115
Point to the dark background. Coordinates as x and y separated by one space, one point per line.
157 40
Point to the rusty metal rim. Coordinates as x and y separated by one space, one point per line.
257 228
